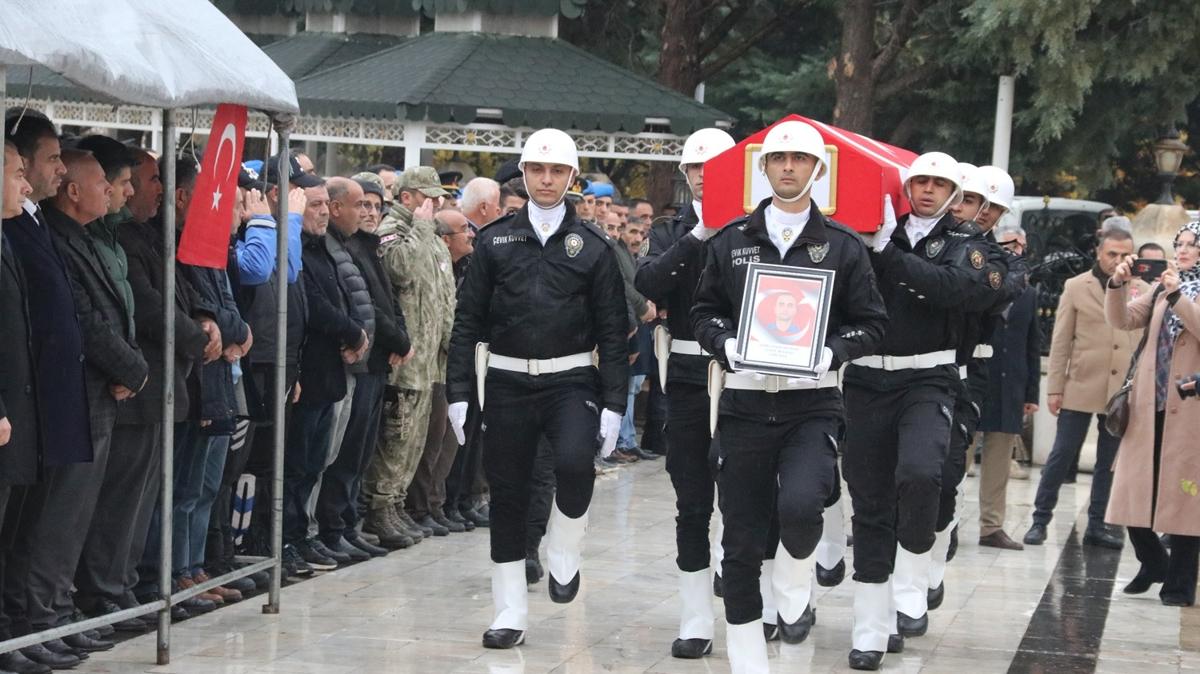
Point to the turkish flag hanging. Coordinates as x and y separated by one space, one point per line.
205 241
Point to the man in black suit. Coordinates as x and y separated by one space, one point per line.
61 395
115 371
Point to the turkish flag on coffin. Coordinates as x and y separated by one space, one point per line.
859 172
205 241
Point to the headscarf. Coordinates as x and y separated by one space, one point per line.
1189 281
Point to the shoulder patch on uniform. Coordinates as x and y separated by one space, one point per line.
978 260
994 280
388 238
593 230
573 243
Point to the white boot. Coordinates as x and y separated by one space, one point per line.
792 581
564 548
747 648
770 612
511 600
696 616
715 549
937 558
831 549
910 587
874 618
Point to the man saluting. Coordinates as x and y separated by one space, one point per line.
543 293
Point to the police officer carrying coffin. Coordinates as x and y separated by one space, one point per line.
542 293
778 436
898 403
668 275
975 212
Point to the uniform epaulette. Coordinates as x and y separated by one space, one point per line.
594 230
844 229
736 223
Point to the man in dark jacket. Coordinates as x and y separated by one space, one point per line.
1013 382
116 371
61 395
335 339
337 514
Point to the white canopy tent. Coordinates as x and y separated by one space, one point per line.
166 55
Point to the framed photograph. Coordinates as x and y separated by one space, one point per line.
785 311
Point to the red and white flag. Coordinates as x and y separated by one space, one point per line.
205 241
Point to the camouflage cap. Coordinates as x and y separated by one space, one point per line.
374 179
421 178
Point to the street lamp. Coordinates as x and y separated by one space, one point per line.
1168 156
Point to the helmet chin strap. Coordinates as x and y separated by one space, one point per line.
561 197
950 201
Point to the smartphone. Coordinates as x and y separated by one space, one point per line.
1149 270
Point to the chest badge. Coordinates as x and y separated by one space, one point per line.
994 280
934 248
818 253
977 259
787 235
573 243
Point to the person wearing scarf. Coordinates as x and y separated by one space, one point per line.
1156 481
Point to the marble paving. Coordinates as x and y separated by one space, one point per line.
424 609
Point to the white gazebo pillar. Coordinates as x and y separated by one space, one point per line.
414 142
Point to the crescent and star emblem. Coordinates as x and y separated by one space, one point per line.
229 134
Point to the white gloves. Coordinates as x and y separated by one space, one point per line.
610 427
457 413
701 232
826 361
884 235
731 353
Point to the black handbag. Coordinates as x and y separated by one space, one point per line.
1116 412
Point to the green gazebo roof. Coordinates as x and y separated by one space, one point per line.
533 82
306 53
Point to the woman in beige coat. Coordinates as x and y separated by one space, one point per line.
1156 481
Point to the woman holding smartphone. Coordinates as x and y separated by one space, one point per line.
1156 481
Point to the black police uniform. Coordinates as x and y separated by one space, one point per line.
977 330
531 301
898 421
778 451
668 276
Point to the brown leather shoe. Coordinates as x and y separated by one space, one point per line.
188 583
999 539
228 594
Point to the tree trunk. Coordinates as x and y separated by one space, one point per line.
852 68
679 69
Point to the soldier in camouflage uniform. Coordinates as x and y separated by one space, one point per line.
419 266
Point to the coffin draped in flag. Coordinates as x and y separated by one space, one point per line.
205 241
859 172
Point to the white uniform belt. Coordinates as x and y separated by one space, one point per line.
687 348
962 372
983 351
920 361
771 383
535 367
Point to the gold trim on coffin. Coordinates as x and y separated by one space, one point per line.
748 203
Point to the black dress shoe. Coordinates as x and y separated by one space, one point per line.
503 638
1143 580
84 643
1177 600
1102 538
866 660
911 627
318 546
350 551
177 613
771 632
446 523
953 549
44 656
137 625
691 649
797 632
999 539
895 643
831 577
428 523
59 646
477 518
369 548
718 586
1036 535
564 594
455 516
934 597
533 570
646 455
17 663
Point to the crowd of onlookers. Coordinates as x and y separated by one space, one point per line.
370 465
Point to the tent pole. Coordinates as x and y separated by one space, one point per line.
282 227
168 384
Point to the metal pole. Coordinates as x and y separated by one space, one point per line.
282 227
3 106
168 384
1002 139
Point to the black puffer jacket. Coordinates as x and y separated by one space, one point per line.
331 327
362 308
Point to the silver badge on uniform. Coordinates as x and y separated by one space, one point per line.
573 244
818 253
932 248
